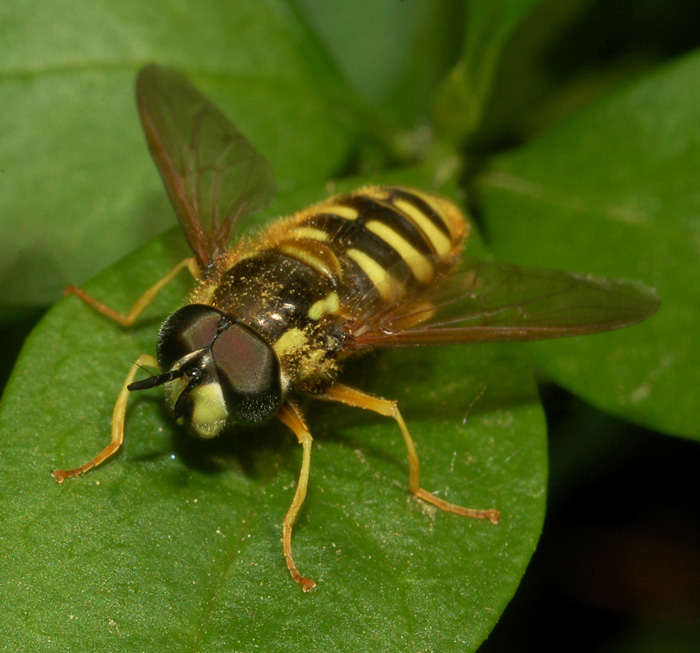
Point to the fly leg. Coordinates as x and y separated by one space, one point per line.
118 416
291 417
359 399
144 360
143 301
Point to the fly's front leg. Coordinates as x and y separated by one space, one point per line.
291 417
118 417
143 301
119 413
352 397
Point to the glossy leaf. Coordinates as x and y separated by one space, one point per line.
415 41
78 187
613 192
176 543
461 100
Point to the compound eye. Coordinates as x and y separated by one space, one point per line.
188 329
249 373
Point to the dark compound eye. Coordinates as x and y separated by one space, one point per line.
244 365
249 373
188 329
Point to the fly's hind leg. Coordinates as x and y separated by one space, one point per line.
291 417
352 397
118 416
143 301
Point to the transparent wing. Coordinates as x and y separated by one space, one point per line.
489 302
213 175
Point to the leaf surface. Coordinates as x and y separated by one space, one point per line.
77 184
613 192
176 543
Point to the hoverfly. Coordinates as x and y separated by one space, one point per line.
273 317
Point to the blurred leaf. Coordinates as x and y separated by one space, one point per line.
176 544
463 95
78 188
415 40
613 192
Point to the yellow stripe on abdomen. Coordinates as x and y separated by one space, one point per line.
388 287
307 233
328 305
314 254
347 212
421 266
446 211
440 241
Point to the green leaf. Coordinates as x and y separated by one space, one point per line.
175 543
78 187
461 100
415 40
613 192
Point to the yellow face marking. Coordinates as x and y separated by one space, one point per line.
174 388
421 266
329 304
308 232
209 412
290 340
346 212
389 288
440 241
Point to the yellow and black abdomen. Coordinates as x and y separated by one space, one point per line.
386 243
338 261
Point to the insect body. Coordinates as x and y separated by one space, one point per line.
282 306
273 317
